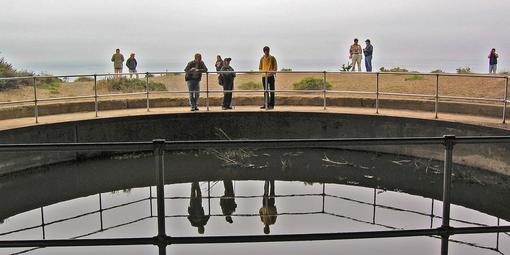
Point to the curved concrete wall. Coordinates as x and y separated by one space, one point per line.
256 125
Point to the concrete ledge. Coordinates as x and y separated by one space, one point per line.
483 110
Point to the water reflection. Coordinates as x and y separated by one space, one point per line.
228 201
268 212
197 216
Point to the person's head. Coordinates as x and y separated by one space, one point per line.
229 219
201 229
355 40
266 50
226 61
218 58
117 51
367 41
132 55
493 50
198 57
266 229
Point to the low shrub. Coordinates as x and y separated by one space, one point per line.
311 83
346 67
250 86
130 85
437 71
52 84
84 79
7 70
394 70
414 77
286 70
464 70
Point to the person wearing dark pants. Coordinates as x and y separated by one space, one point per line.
268 64
227 80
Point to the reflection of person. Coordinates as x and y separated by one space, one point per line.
118 62
227 201
131 65
355 55
194 71
227 80
268 211
197 216
268 63
493 61
368 51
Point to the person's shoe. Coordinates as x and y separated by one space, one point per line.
263 107
196 108
224 108
192 109
228 107
270 107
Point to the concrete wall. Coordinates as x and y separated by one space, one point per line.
488 110
256 125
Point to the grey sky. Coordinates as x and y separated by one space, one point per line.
64 36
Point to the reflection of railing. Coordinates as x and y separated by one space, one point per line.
377 92
158 147
322 195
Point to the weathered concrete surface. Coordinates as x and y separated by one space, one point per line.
72 106
257 125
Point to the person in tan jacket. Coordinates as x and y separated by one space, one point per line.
118 62
355 54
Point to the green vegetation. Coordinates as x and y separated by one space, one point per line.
394 70
414 77
84 79
504 73
52 84
437 71
311 83
286 70
129 85
345 67
7 70
464 70
250 85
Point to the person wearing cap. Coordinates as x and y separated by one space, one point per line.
131 65
268 64
118 62
367 51
194 70
227 80
355 55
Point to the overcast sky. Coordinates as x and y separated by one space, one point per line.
62 36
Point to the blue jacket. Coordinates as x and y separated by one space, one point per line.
131 63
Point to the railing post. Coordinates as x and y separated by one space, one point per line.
147 90
159 153
377 93
101 212
36 107
436 105
324 88
43 224
96 108
207 90
449 141
323 197
505 100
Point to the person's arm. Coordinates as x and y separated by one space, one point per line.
113 58
203 68
188 67
275 65
122 58
260 64
136 63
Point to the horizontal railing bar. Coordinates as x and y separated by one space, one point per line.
268 143
350 92
254 238
122 94
405 94
17 102
62 98
473 98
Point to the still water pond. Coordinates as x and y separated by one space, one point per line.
212 193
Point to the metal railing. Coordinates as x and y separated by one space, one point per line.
377 92
158 147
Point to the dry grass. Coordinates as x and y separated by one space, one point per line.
483 87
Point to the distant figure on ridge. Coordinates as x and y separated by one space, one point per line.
197 216
268 212
118 62
268 63
227 81
368 51
194 71
355 55
493 61
131 65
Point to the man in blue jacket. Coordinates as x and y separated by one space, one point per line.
131 65
367 51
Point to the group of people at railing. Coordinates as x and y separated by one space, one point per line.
198 218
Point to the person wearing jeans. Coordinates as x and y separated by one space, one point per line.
493 61
227 80
268 63
194 71
367 51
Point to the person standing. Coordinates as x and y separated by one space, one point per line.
194 70
355 55
268 64
493 61
228 83
219 65
367 51
228 201
268 212
131 65
118 62
196 214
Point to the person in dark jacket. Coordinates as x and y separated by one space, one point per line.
368 51
227 80
131 65
493 61
194 70
197 216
